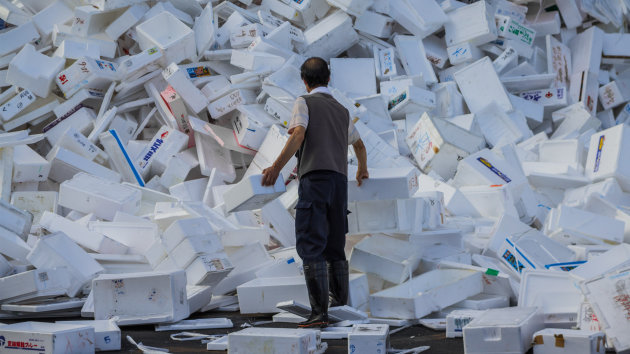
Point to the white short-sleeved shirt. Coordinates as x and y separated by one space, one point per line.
299 117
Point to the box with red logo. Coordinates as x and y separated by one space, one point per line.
175 103
46 338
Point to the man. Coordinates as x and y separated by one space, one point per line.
321 130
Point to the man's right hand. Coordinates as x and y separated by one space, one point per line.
270 175
361 175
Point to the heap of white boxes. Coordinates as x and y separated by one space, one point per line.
135 133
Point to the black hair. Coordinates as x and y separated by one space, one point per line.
315 72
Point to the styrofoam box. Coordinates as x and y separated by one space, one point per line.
106 333
606 157
576 226
484 301
140 298
479 81
64 164
249 194
329 37
383 184
90 194
609 297
47 338
438 145
473 23
88 73
368 339
386 257
277 340
15 220
344 73
229 102
507 331
429 292
38 283
554 293
261 295
559 341
58 250
208 269
181 229
458 319
29 166
82 120
174 38
12 245
187 250
32 70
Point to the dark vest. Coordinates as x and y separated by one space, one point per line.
325 145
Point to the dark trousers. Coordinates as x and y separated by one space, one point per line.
321 220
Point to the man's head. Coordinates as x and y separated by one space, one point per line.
315 73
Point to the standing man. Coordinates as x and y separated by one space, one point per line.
321 130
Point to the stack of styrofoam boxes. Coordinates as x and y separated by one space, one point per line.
193 245
188 103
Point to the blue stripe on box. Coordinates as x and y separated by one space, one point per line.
124 151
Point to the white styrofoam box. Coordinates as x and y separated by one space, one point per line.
572 225
555 340
329 37
558 60
64 164
12 245
139 237
81 234
190 247
34 71
75 48
185 228
15 220
454 201
584 90
506 61
229 102
80 118
251 125
608 295
170 35
458 319
581 121
486 168
134 66
58 250
463 53
356 77
615 48
261 295
555 150
141 298
165 143
280 340
414 58
126 20
384 184
178 79
48 338
612 260
572 14
6 268
586 50
243 36
614 94
91 194
16 105
106 333
249 194
473 23
28 166
533 250
256 61
388 258
509 28
389 216
480 85
507 330
375 24
505 226
208 269
33 284
426 293
605 158
411 100
90 20
438 145
554 293
368 338
119 157
88 73
14 39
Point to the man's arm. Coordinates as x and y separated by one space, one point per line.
361 153
270 174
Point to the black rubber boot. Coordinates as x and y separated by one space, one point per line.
316 275
338 282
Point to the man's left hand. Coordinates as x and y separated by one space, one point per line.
270 175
